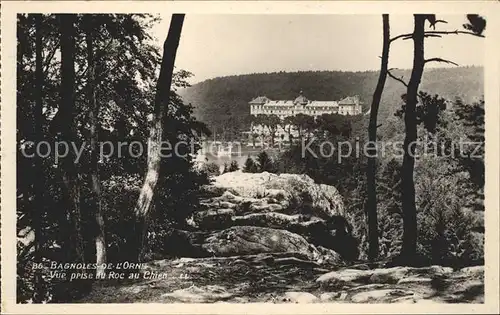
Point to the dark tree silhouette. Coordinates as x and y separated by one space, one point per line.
250 166
409 247
371 203
156 130
71 177
233 166
475 27
476 24
38 183
99 238
265 162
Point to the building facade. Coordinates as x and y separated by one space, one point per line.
301 105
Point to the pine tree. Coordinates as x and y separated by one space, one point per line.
371 204
265 162
233 166
250 166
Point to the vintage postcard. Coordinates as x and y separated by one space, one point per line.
265 157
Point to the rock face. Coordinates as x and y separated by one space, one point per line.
247 240
284 191
290 205
407 285
273 278
244 240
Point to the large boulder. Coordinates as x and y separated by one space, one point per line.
293 192
247 240
242 240
290 202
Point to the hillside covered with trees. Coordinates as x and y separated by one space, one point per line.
222 103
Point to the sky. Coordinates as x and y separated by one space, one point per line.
222 45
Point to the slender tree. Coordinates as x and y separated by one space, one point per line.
99 238
273 122
156 130
475 26
66 108
371 203
38 136
288 123
409 247
254 137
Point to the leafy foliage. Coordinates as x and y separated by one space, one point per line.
476 24
233 166
427 110
250 166
127 63
265 164
211 169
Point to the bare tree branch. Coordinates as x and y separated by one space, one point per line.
456 32
440 60
438 21
436 34
396 78
98 56
400 36
429 35
49 59
441 21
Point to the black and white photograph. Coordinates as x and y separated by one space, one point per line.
184 158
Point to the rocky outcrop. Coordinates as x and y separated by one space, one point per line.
406 285
353 277
287 278
287 193
243 240
247 240
287 202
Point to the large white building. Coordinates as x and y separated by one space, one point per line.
301 105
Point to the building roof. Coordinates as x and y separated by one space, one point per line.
349 100
259 100
323 103
301 99
280 103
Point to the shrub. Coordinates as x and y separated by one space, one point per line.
225 169
233 166
211 169
445 227
250 166
265 162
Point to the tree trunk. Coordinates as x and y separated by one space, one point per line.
99 238
409 246
38 185
272 133
66 109
371 204
154 143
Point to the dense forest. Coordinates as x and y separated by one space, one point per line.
223 102
84 80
